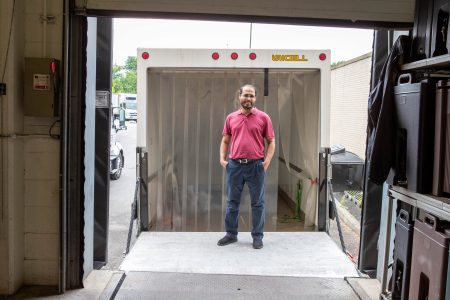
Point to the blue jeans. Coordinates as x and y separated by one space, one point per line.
237 175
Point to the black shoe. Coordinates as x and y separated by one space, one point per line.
257 244
226 240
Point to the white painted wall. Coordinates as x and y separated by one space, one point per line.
29 169
350 86
11 151
42 158
41 222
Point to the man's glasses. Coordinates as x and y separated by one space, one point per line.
248 96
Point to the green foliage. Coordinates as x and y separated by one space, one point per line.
124 78
131 63
337 63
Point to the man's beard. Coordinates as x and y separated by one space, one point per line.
247 105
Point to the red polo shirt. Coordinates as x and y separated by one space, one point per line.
248 133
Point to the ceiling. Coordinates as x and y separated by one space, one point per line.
348 13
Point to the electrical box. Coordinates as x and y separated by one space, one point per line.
41 88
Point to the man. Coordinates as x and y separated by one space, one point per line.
247 129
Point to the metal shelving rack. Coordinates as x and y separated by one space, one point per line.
438 206
437 62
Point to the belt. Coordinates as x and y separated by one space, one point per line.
245 160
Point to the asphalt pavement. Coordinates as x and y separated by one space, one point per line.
121 197
350 234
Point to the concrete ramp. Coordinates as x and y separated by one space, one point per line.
298 254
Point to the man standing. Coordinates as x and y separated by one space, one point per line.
247 129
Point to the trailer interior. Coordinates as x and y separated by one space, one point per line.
187 110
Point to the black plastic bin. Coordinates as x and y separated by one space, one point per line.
402 255
414 103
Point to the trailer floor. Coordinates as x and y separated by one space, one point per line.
296 254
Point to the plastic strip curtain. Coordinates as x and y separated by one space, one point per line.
298 98
186 113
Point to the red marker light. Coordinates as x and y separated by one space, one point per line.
145 55
322 56
234 55
52 67
252 56
215 56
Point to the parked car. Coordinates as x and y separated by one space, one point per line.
116 157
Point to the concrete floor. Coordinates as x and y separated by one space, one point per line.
94 286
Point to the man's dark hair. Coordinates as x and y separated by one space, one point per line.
247 85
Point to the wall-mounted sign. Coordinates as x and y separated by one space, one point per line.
41 82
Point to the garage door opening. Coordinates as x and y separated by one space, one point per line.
185 190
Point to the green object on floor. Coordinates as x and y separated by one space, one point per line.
298 202
289 219
299 199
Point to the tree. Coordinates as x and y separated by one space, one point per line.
131 64
124 78
117 86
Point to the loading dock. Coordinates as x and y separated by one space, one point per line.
70 273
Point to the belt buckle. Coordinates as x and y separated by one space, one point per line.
243 161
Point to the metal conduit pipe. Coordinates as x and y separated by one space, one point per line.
63 153
44 28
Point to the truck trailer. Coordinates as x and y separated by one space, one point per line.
129 103
184 96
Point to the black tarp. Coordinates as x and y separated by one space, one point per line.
372 193
380 145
